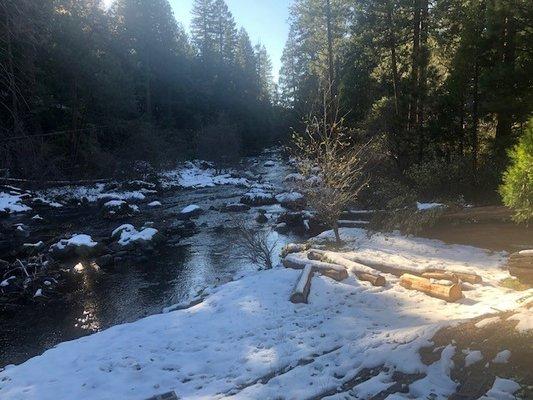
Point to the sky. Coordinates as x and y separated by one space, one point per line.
265 21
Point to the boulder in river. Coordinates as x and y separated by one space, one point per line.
127 236
258 197
78 245
191 211
291 200
115 209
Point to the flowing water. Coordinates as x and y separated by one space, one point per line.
94 299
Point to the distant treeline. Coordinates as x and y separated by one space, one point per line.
445 87
85 90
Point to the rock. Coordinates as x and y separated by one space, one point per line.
78 245
189 212
269 163
292 178
281 227
236 207
115 209
258 197
105 260
261 218
292 200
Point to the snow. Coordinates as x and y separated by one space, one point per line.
502 357
192 175
428 206
77 240
473 357
91 193
11 203
525 320
155 204
114 204
289 197
37 217
502 389
269 163
128 234
190 209
38 293
247 341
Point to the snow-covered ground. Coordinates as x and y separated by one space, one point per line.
247 341
196 175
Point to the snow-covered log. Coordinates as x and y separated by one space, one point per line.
448 293
294 248
332 271
362 272
393 269
303 286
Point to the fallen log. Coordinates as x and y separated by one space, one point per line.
448 293
463 276
441 276
303 286
362 272
294 248
399 271
333 271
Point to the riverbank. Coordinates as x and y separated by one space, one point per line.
246 340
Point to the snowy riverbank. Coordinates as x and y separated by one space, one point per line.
246 340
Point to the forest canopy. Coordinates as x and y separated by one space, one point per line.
444 85
85 89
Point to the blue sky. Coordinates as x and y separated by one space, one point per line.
265 21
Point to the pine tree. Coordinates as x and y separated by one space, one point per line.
264 73
203 28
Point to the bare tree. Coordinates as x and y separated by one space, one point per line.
332 164
257 244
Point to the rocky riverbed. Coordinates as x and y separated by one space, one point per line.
78 259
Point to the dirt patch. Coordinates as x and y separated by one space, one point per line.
490 337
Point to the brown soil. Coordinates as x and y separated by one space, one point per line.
477 379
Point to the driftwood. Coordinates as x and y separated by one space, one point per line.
333 271
399 271
303 286
448 293
362 272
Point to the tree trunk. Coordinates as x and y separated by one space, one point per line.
422 83
337 235
475 119
504 116
415 56
394 62
331 74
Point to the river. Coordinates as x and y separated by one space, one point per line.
91 300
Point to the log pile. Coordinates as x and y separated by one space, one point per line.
336 266
521 266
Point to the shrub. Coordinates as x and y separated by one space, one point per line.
517 187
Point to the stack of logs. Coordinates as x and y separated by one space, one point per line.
521 265
336 266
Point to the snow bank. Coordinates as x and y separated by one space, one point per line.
91 193
248 330
192 175
12 203
127 234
